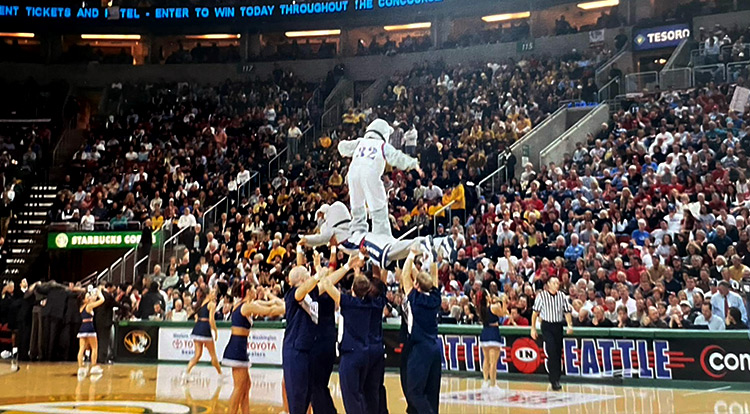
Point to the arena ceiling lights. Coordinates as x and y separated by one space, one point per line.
215 36
592 5
506 16
17 35
314 33
111 36
410 26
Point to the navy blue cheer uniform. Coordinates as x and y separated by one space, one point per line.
235 354
355 359
375 397
323 354
403 338
423 365
299 338
87 329
202 329
490 335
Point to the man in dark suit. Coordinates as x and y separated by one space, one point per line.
195 240
103 321
149 299
71 326
53 316
144 248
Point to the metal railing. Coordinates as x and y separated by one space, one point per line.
91 278
98 225
492 178
735 70
212 214
680 56
575 132
331 116
418 229
609 90
242 189
641 82
142 266
371 95
170 245
546 120
702 75
437 213
277 160
678 78
306 140
602 73
727 51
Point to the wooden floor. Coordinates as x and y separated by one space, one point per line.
124 388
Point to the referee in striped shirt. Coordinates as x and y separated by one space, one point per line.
553 307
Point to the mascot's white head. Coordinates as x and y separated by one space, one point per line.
322 210
379 129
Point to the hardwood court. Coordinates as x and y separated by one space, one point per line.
54 388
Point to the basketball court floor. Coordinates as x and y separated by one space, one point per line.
129 388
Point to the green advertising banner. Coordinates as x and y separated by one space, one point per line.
95 240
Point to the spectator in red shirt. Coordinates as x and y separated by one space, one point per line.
635 271
515 319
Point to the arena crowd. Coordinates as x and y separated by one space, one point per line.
645 223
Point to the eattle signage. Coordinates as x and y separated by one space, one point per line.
681 358
95 240
591 353
661 36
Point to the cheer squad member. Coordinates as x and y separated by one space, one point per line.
355 317
403 338
491 309
424 362
235 354
299 337
87 332
375 396
205 323
323 353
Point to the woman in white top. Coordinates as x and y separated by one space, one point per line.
87 221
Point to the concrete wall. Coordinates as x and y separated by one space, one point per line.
544 133
738 19
566 143
358 68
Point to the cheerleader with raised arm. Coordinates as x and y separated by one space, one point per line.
87 333
235 354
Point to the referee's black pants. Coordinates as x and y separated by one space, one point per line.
552 333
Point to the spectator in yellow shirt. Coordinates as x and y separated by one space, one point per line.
335 180
276 251
400 91
737 270
157 220
350 117
523 125
457 194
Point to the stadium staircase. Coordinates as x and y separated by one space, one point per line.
26 242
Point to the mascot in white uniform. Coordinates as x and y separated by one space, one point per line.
369 157
382 249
